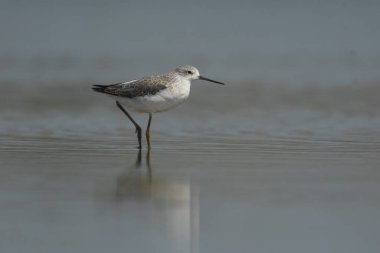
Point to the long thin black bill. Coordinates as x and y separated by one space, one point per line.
210 80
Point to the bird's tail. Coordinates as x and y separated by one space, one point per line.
99 88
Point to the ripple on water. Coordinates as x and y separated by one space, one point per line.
197 147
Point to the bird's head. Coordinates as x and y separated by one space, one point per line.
192 73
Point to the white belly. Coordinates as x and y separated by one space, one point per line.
161 101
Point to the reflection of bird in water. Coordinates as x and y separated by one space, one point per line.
140 184
161 204
153 94
136 181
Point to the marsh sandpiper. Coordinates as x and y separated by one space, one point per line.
153 94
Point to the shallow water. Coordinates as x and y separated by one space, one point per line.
264 169
191 194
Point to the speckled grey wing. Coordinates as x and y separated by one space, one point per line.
132 89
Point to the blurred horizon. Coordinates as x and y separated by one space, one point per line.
293 42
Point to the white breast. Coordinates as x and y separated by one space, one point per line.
164 100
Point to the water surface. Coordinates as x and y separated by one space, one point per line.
279 171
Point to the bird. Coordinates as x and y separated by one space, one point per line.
152 94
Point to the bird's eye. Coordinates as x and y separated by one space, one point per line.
189 72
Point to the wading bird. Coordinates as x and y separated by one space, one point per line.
153 94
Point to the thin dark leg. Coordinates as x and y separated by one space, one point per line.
147 133
138 128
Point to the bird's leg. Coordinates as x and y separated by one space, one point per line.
138 128
147 133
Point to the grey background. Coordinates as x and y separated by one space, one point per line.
295 42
